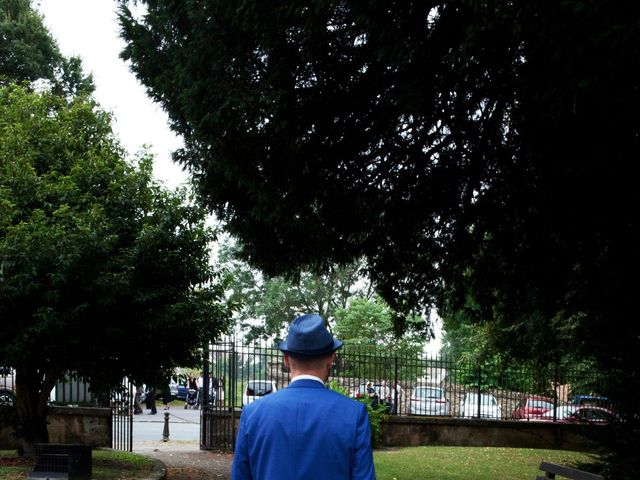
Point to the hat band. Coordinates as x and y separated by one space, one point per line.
328 348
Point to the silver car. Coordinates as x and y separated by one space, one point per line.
487 406
428 401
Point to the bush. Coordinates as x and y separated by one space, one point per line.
376 414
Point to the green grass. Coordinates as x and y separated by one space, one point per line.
107 465
464 463
415 463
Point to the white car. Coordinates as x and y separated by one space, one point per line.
256 389
562 412
427 400
487 407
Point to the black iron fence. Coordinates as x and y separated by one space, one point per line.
414 384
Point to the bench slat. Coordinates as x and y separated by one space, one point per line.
568 472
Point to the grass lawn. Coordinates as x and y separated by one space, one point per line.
415 463
107 465
469 463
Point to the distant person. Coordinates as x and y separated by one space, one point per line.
385 393
137 401
220 391
305 431
151 400
192 393
372 394
397 396
166 396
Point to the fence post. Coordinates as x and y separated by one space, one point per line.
395 385
556 385
479 387
206 381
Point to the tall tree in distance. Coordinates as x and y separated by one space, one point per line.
266 305
368 322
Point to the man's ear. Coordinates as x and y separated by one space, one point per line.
286 361
332 358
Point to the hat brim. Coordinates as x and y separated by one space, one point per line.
335 345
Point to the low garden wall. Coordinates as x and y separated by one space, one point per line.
414 431
85 425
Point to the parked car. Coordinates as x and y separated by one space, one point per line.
561 412
595 400
256 389
532 406
427 400
590 414
7 396
173 388
182 392
489 407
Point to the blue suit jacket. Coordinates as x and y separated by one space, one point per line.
305 431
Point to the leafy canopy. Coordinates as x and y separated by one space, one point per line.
29 53
100 267
472 151
465 149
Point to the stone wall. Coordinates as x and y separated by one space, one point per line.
414 431
85 425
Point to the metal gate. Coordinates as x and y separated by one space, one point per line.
233 373
219 417
121 403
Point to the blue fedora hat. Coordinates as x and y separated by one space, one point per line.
308 337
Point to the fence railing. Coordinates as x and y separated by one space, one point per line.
414 384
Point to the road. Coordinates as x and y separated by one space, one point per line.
184 425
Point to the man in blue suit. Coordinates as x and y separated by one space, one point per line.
305 431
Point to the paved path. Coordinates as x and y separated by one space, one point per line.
185 461
181 454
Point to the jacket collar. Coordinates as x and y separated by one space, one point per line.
306 383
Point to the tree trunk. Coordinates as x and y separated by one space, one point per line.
32 389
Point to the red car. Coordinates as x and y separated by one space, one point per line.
590 414
532 406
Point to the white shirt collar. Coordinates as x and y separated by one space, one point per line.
306 377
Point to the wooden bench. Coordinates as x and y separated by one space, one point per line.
551 470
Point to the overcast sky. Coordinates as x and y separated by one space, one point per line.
88 29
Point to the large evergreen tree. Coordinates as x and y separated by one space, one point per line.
475 152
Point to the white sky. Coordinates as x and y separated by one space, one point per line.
88 29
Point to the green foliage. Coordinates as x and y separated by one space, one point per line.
29 53
369 322
376 414
476 153
268 304
94 253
